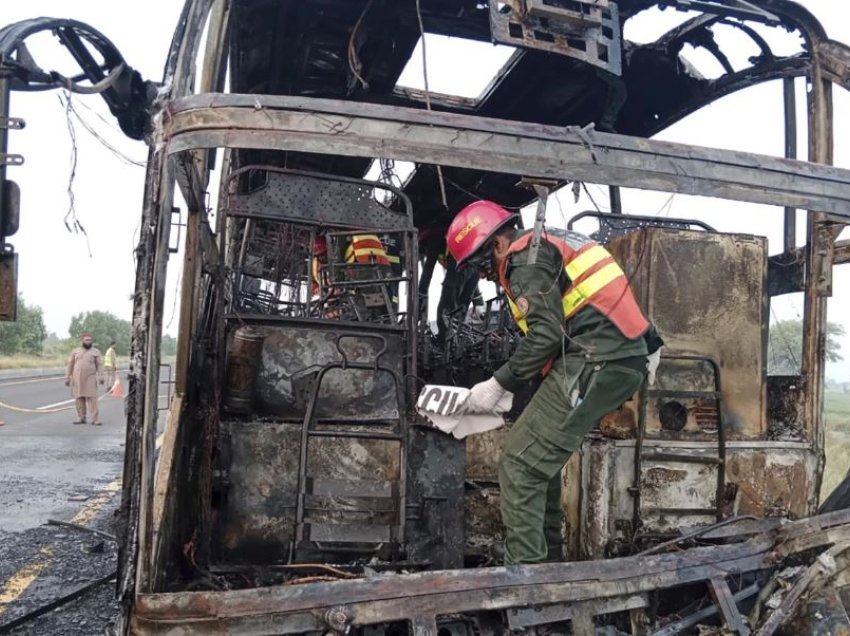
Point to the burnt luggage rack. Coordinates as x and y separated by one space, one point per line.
360 539
719 460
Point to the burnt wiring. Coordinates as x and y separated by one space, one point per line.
106 144
353 59
72 223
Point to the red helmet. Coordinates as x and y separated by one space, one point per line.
473 226
320 246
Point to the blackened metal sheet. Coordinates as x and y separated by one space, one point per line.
256 514
435 488
291 355
318 200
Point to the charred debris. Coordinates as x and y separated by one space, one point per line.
296 489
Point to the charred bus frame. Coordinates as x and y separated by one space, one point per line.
187 128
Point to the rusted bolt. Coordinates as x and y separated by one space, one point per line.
338 619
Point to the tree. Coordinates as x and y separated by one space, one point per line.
785 346
104 328
24 335
169 345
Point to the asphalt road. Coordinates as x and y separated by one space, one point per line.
52 469
48 464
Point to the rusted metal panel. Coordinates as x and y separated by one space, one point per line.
718 310
571 498
315 125
597 476
773 483
672 491
8 286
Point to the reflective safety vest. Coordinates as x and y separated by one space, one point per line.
596 280
366 248
315 277
391 247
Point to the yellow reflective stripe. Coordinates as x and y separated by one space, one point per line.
351 255
585 261
369 251
394 259
518 315
579 295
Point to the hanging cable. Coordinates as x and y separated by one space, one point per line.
353 59
71 221
106 144
590 196
428 96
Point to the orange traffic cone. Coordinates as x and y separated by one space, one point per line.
117 391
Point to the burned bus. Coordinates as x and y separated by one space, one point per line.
296 489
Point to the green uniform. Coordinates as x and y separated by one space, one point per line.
460 287
596 368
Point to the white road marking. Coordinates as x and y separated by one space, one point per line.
50 406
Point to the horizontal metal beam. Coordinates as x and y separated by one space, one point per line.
299 608
368 130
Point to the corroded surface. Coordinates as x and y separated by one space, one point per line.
257 514
717 310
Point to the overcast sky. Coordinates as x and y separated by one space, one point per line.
57 273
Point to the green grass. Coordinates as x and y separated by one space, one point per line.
22 361
837 409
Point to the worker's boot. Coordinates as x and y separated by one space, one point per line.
82 420
96 424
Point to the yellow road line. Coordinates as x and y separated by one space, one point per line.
24 577
99 501
18 583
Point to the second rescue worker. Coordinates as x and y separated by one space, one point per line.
583 330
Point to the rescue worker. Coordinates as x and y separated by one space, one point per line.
84 371
320 257
583 330
460 286
366 248
109 364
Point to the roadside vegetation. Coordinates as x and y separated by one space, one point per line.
26 343
837 407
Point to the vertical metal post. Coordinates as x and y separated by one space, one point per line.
615 200
818 273
5 89
790 95
539 220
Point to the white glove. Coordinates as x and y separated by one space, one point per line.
652 361
486 396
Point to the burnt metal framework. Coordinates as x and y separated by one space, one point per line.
361 309
568 591
345 129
